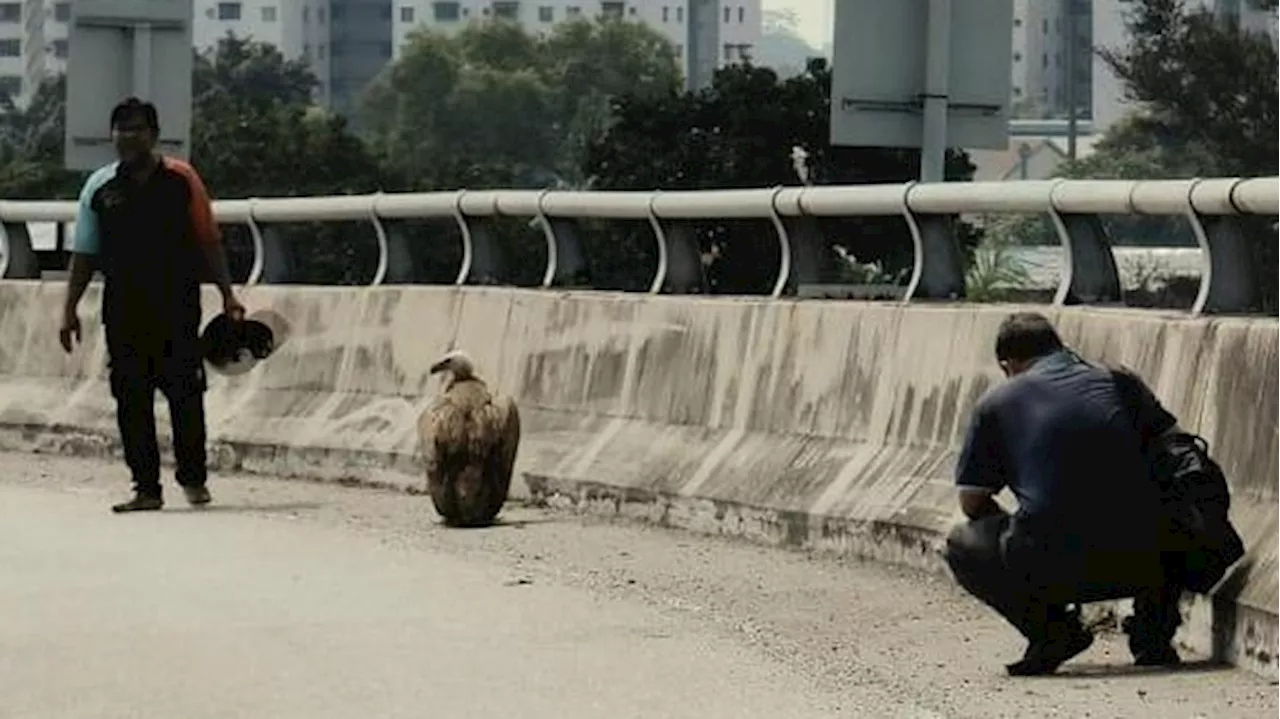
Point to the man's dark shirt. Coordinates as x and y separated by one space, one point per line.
145 238
1062 439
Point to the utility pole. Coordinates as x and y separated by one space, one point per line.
933 150
1072 111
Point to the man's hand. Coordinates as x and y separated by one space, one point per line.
70 328
232 307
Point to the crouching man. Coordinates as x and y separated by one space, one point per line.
1060 435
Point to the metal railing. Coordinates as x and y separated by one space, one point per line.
1213 207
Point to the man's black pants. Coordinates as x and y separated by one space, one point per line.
1030 583
140 363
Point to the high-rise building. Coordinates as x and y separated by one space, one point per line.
736 31
1043 54
1043 47
1109 31
348 42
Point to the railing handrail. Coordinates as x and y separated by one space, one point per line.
1214 196
1089 273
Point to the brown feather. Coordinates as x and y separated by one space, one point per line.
469 440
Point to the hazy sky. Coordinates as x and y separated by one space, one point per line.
815 17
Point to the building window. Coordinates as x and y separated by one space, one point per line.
573 11
321 51
60 49
680 13
1044 60
406 14
1017 22
62 12
612 9
10 85
445 11
228 11
269 13
507 10
666 13
11 48
546 13
320 14
727 12
10 12
679 51
1044 25
742 14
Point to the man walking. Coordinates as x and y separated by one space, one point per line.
1069 444
146 222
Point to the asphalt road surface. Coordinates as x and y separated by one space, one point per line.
293 599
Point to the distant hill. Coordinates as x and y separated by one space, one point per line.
781 47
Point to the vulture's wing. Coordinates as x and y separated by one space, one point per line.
508 421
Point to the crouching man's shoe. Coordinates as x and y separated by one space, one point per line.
139 503
197 496
1046 655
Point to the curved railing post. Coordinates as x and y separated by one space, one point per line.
804 240
485 263
566 261
277 266
659 234
380 272
1227 279
684 271
18 261
259 248
1089 273
938 273
784 245
468 248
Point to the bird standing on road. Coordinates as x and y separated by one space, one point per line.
469 437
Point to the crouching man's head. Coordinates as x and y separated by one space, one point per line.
1023 338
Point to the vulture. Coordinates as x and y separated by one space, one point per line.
469 437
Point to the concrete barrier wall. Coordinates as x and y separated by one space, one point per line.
825 425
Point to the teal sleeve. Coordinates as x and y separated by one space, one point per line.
86 240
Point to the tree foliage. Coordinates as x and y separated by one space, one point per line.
1204 100
742 132
494 105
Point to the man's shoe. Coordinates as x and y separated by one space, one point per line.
139 503
1161 657
1044 657
197 496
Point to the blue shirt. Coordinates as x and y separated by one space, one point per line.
1061 437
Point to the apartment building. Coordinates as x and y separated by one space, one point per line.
347 42
1042 43
737 27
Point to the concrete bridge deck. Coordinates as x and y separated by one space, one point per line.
295 599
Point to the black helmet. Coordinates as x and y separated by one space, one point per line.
233 348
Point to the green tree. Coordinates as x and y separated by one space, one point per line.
1206 106
500 107
741 133
31 142
256 132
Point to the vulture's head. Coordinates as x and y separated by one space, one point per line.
457 363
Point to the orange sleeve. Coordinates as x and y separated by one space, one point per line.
202 223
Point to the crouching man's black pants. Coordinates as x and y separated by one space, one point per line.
140 363
1030 582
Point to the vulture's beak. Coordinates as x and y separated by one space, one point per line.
438 367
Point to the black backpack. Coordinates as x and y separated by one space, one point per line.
1196 500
